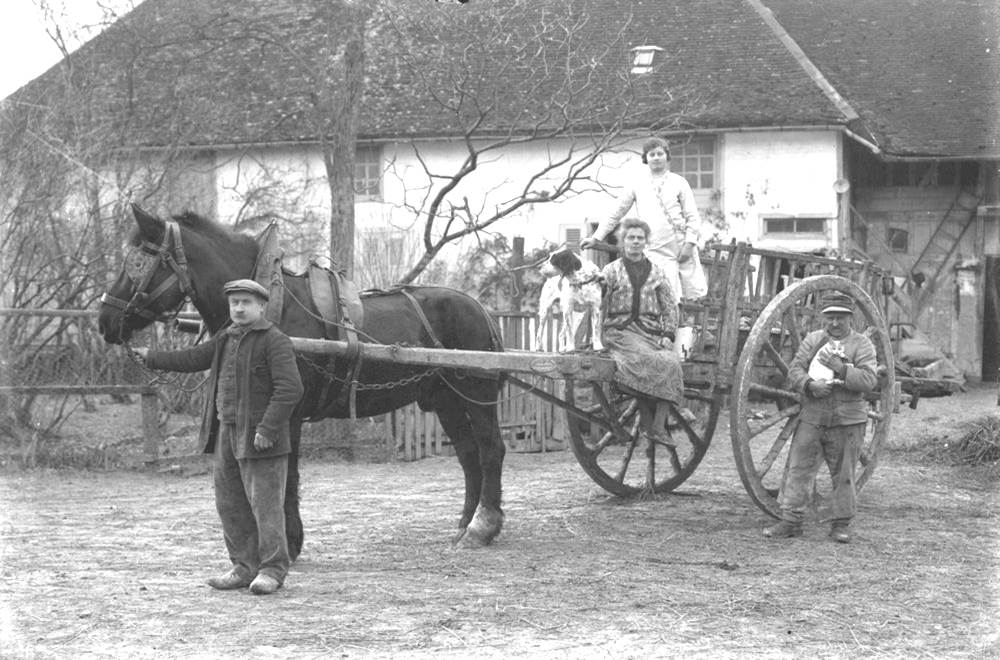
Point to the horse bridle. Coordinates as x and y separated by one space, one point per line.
170 252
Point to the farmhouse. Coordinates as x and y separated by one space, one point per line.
857 129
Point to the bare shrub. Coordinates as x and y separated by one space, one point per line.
977 443
980 444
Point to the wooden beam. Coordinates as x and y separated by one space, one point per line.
77 389
551 365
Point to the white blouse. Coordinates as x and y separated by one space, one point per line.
666 203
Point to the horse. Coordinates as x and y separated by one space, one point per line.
191 257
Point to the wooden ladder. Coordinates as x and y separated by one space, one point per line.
946 237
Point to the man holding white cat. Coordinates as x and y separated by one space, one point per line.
832 368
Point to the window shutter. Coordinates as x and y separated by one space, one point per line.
572 238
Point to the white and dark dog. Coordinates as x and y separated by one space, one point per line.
575 283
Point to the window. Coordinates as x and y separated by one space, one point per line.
695 161
898 239
384 244
642 58
572 237
859 235
795 226
368 172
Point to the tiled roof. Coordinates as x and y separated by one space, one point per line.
237 71
923 74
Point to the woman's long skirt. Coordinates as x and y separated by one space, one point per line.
645 366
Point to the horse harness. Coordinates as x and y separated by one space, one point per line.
341 313
141 265
334 296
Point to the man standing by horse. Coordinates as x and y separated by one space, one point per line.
253 388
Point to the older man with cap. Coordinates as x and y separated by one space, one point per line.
253 388
832 369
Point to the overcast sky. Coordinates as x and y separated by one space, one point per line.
26 51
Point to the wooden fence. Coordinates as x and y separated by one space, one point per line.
62 354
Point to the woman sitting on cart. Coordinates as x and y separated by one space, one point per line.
640 318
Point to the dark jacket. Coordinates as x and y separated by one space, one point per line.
846 404
268 386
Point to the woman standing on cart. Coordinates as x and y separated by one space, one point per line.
665 201
640 319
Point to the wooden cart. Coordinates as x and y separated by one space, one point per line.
760 305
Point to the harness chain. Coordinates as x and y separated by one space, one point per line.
408 380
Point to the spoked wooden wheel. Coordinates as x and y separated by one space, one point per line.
607 443
764 413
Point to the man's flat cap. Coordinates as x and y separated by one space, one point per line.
246 286
837 302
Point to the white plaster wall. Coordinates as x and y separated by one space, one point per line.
773 172
789 173
499 178
292 179
413 173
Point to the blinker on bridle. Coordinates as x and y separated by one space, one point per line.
141 265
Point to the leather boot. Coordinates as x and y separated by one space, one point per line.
783 530
231 579
840 533
264 584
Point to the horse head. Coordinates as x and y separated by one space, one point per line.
166 263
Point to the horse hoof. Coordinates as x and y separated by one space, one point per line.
458 537
469 541
485 527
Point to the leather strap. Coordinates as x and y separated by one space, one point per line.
324 287
268 272
423 318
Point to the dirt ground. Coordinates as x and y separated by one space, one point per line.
111 563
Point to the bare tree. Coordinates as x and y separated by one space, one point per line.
563 82
495 76
323 91
62 220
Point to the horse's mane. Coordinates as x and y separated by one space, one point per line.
211 229
204 227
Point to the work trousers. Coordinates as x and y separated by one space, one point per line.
250 499
839 447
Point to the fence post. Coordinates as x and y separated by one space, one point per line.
152 440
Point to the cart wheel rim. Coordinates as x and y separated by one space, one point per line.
623 461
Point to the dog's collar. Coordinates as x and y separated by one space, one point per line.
577 285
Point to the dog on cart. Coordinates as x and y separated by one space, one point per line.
574 282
